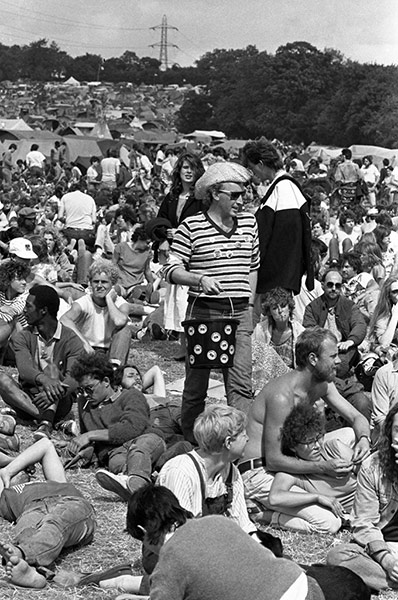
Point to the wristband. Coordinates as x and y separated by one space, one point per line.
200 281
251 304
365 436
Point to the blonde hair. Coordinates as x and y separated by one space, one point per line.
215 424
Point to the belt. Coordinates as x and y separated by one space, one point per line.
253 463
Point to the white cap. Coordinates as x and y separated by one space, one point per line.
22 248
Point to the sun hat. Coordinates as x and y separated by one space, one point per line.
220 172
22 248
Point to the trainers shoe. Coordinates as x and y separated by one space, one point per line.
7 424
113 483
7 410
158 333
44 430
134 483
69 427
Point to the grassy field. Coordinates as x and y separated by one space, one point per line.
112 545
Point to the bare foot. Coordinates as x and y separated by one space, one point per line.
7 550
20 573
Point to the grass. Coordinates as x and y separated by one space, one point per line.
112 545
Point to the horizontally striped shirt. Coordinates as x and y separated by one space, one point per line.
205 249
13 308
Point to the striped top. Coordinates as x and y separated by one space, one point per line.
205 249
9 309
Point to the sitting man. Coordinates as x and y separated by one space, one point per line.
344 319
100 318
384 395
373 554
49 515
319 503
317 359
116 424
44 354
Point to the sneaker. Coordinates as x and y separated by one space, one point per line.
7 424
113 483
44 430
134 483
7 410
69 427
158 333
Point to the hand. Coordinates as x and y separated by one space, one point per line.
361 451
78 443
336 467
334 505
344 346
87 348
53 388
111 295
5 477
390 565
42 401
210 285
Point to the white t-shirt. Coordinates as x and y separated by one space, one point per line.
79 209
35 158
110 169
94 322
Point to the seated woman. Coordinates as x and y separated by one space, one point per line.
278 330
13 295
57 254
383 328
312 503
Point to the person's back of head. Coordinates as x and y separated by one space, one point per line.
34 147
346 152
262 151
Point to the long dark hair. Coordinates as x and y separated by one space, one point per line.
386 452
197 167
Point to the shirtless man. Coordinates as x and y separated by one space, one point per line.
317 359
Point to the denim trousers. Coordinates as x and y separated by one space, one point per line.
237 379
120 345
51 524
138 456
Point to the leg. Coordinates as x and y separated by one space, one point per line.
84 260
142 454
49 525
307 519
120 345
193 398
257 484
355 558
238 379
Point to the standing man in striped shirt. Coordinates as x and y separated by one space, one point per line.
216 254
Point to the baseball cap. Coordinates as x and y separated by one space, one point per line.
22 248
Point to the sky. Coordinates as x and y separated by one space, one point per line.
363 30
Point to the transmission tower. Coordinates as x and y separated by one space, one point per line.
163 44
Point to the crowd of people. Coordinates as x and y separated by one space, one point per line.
284 278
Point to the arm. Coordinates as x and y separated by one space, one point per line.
358 326
281 496
147 271
278 408
131 417
85 439
357 421
119 316
209 285
69 320
61 210
381 400
309 319
154 377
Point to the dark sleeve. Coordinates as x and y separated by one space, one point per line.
168 579
265 221
307 237
73 352
131 418
358 326
163 212
309 319
27 369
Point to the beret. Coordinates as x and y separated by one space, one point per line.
220 172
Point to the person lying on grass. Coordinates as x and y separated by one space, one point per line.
312 503
49 515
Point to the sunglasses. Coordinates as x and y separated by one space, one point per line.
330 285
312 442
234 196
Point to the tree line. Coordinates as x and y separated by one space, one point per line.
299 94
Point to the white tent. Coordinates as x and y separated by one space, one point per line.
14 125
72 81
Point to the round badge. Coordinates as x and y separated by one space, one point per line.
230 254
217 253
191 330
191 359
224 359
228 329
215 337
238 245
232 349
197 349
224 345
212 355
202 328
212 240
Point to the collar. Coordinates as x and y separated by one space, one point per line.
56 336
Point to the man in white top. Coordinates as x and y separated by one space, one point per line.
79 213
35 160
110 168
100 319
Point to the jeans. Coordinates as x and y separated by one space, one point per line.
51 524
120 345
237 379
137 457
354 557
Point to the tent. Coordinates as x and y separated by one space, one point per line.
14 124
72 81
326 153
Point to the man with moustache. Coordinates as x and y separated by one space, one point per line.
317 359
